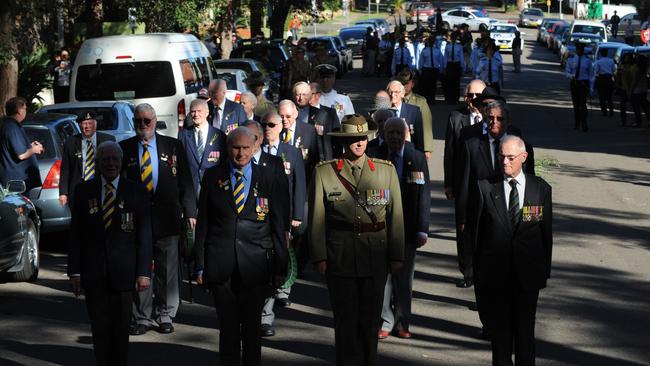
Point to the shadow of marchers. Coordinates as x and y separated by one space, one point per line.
610 174
149 353
442 299
57 354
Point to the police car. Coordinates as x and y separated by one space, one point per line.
503 35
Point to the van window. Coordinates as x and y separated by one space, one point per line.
133 80
591 29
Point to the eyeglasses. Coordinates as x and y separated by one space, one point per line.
145 121
472 95
495 118
509 157
270 125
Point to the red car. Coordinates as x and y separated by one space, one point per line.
421 10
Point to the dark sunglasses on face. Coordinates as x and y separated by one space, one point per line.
495 118
472 95
139 121
270 125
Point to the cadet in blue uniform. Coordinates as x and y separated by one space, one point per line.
402 57
429 66
453 64
580 70
490 68
604 70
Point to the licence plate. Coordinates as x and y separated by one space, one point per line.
533 24
353 42
503 46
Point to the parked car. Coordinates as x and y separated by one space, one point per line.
557 30
235 83
51 130
354 38
551 30
531 17
115 118
380 24
272 54
346 51
314 43
636 24
503 35
591 40
546 23
474 18
559 39
622 51
420 10
611 48
271 87
588 26
19 235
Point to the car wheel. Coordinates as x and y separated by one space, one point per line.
31 258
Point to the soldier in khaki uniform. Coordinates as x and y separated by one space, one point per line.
357 236
407 78
255 83
298 68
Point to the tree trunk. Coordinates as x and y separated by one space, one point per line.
257 10
520 5
8 63
94 26
227 29
280 12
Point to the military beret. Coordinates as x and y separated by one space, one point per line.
255 79
203 94
87 116
405 76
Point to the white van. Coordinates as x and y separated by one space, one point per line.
589 27
165 70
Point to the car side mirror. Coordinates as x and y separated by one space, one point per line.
16 186
161 125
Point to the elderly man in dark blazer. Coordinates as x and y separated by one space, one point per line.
110 251
413 174
204 144
410 113
324 119
240 246
160 163
78 163
510 228
299 135
223 113
458 119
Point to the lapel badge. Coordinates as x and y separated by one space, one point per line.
319 129
93 206
78 154
164 157
298 141
255 190
223 184
411 129
133 162
213 139
305 153
121 205
287 167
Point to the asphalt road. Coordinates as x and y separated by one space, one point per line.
596 310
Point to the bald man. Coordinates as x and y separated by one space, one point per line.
223 114
324 119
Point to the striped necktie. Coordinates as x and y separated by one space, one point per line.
89 163
200 143
146 171
108 206
238 192
513 203
287 136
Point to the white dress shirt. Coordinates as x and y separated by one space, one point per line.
521 188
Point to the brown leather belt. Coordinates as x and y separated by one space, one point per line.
357 227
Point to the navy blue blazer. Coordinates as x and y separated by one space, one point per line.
294 168
306 141
413 116
233 114
215 151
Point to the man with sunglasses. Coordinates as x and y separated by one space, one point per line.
160 164
510 225
458 119
478 159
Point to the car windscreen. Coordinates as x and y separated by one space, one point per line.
534 12
585 39
105 116
352 33
502 29
42 134
231 80
590 29
479 14
313 44
128 80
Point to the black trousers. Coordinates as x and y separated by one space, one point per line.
605 87
512 324
239 312
624 99
640 101
110 315
579 94
429 83
452 82
356 303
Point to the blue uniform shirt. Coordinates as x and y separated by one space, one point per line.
425 58
604 66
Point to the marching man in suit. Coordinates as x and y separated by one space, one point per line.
110 251
324 119
299 135
356 237
413 175
409 112
510 227
223 114
240 246
160 163
204 145
78 163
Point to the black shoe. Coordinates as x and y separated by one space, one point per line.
283 302
266 330
166 328
484 333
464 283
139 329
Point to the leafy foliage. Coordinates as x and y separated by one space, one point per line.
33 75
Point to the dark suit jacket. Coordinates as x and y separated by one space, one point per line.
326 117
233 114
305 139
72 163
113 257
294 168
416 194
457 120
507 255
413 117
174 197
475 163
226 241
273 166
215 150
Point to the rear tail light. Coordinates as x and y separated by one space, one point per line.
52 179
238 97
181 111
